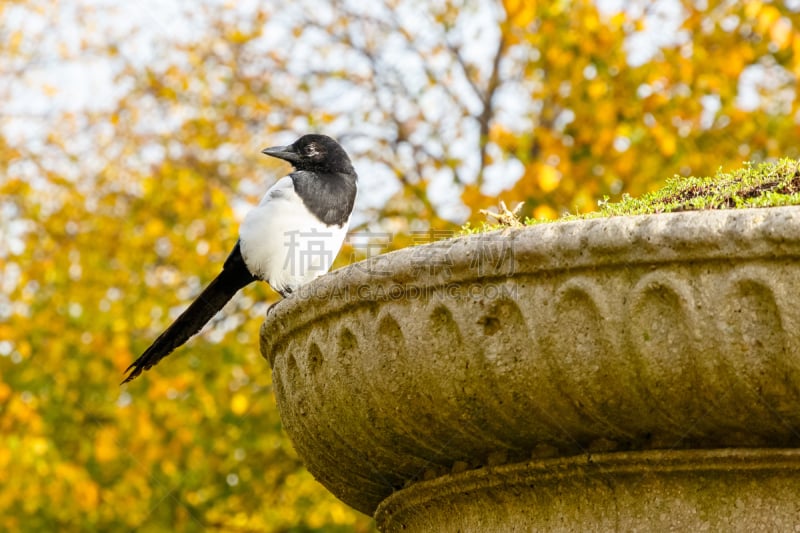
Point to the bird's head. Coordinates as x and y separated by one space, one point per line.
313 152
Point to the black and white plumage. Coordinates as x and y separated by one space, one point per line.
291 237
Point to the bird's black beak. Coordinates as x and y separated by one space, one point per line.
286 153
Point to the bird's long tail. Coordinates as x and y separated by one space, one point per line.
233 277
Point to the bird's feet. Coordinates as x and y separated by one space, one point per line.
285 292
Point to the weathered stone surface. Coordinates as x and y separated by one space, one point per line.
606 336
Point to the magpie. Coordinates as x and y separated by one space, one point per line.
291 237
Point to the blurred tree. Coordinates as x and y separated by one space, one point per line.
117 207
614 116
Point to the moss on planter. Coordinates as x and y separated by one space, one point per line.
763 185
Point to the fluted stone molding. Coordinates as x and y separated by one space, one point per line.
570 364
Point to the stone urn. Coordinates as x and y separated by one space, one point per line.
629 373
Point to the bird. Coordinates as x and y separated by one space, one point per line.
290 238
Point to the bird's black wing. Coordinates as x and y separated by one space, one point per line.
233 277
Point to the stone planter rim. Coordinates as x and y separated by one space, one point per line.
637 239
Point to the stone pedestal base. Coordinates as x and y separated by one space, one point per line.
744 490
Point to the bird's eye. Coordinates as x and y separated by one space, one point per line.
311 150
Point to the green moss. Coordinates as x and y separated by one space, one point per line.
764 185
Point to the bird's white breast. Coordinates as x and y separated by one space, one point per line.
283 243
